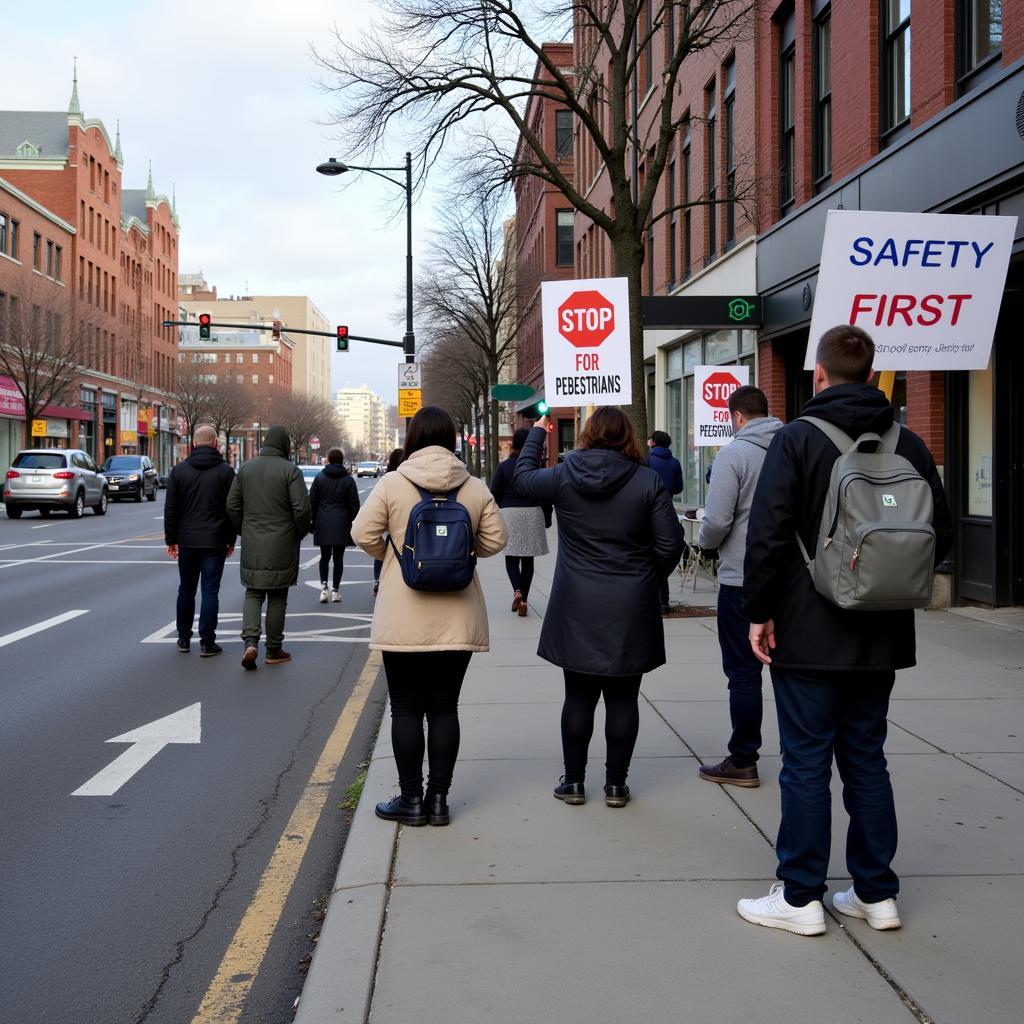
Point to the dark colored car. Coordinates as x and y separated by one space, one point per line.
131 476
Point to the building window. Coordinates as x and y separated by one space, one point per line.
650 261
648 39
671 201
58 252
563 134
239 379
49 258
710 143
563 242
255 378
37 246
823 100
895 63
14 239
787 127
980 29
687 210
270 378
3 232
730 153
239 357
255 357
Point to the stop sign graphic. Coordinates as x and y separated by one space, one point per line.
586 319
717 389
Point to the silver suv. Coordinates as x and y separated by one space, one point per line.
54 478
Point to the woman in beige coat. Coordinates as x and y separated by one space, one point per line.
427 639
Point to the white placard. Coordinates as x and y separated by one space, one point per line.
410 376
926 286
586 342
712 386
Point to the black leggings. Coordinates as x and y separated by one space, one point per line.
327 552
520 574
425 683
622 723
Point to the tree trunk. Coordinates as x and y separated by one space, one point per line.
628 252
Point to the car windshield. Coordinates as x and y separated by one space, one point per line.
39 460
123 462
368 465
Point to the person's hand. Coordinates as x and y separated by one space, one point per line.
762 640
231 550
542 423
172 551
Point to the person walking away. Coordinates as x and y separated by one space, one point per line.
724 526
667 466
426 638
333 504
199 536
526 522
394 461
269 504
618 535
833 667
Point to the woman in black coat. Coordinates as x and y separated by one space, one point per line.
618 535
334 501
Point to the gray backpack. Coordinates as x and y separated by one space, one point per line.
875 549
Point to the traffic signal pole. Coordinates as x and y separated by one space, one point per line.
409 340
291 330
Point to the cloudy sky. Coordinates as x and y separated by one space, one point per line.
223 97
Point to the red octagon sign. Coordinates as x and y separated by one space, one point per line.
717 389
586 319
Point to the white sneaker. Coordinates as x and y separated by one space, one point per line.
882 916
774 912
336 596
323 595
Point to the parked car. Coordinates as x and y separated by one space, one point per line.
131 476
309 475
367 469
44 479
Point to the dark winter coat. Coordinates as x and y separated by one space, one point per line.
195 510
333 503
269 504
667 466
618 535
506 494
812 634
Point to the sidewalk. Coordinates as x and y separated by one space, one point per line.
526 910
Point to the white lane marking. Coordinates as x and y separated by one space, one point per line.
311 561
315 584
101 561
345 622
11 638
147 741
44 526
56 554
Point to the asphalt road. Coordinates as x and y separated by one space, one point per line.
119 909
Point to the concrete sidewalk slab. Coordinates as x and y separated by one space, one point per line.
1007 768
965 726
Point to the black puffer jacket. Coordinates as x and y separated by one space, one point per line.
617 536
811 633
334 502
195 510
507 495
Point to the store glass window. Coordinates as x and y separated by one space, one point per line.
979 442
981 32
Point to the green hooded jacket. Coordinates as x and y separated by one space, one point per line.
269 506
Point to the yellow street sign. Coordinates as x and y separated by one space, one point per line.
410 401
39 428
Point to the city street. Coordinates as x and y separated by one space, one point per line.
124 888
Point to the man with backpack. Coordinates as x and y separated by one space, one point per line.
848 521
733 478
668 467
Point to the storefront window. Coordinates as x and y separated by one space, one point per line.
720 346
979 442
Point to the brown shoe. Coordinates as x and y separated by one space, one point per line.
726 773
517 600
252 652
523 610
276 656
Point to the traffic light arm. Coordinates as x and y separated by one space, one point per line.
284 330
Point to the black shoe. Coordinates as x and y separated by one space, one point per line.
727 774
437 809
616 796
210 650
252 653
408 810
570 792
184 646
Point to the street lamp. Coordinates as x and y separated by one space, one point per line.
334 167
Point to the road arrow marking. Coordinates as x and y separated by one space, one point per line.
147 741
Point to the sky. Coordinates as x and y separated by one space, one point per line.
223 97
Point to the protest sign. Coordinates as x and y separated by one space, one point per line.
712 386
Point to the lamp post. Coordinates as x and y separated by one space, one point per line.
335 167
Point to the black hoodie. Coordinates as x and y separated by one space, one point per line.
812 634
195 511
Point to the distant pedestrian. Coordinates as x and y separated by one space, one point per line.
394 461
618 536
199 536
426 638
333 503
269 504
833 668
668 467
724 526
526 521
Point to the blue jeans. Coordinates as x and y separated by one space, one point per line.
743 671
841 714
195 565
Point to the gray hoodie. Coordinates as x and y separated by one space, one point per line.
734 476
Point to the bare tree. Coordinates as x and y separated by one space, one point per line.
193 394
230 405
37 347
305 416
430 70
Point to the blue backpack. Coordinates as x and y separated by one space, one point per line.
439 553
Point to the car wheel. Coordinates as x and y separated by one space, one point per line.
142 491
13 513
101 508
44 513
78 509
152 494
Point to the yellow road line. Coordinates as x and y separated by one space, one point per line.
225 998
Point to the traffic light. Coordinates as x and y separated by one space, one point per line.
204 326
342 339
542 408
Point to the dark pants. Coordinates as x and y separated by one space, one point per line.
520 574
622 723
663 592
197 565
743 671
252 613
378 564
841 714
327 552
425 684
